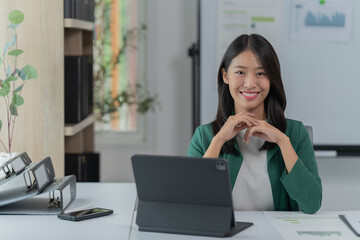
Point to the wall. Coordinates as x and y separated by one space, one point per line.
341 183
39 128
171 31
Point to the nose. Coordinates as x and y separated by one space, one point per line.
250 81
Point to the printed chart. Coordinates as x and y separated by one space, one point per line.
303 226
330 20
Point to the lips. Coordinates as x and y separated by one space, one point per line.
249 95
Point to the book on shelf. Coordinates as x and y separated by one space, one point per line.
79 9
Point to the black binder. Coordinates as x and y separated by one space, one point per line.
184 195
69 9
85 166
79 9
73 89
78 88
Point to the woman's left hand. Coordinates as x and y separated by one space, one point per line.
265 131
270 133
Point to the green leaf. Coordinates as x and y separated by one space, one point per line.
10 79
0 124
7 45
16 71
8 71
13 109
12 43
4 92
16 17
18 88
17 100
16 52
28 72
6 85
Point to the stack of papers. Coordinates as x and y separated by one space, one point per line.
298 225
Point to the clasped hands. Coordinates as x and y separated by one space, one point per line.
255 127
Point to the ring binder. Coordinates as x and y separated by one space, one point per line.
62 192
25 184
54 199
36 177
14 165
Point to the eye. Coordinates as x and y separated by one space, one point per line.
240 73
260 74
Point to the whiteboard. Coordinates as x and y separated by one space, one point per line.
320 77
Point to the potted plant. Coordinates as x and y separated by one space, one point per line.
12 81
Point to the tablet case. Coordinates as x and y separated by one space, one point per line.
184 195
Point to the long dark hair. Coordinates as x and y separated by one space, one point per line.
274 103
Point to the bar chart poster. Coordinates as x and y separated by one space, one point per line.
327 20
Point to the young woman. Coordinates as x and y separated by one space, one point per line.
271 159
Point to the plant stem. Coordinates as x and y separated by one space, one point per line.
6 99
9 139
12 130
3 145
13 117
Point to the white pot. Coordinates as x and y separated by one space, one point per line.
4 156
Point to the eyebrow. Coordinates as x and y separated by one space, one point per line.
246 67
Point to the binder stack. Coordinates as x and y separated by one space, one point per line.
31 188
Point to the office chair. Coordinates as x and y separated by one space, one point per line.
310 132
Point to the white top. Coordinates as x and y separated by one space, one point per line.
252 189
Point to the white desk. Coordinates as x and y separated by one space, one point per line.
117 196
311 227
262 229
121 225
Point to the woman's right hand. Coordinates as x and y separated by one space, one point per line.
234 124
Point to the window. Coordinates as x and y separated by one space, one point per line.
119 63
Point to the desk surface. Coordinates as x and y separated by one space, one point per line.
120 197
262 229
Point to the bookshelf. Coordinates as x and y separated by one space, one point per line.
72 129
78 34
78 24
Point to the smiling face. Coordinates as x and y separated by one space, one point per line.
248 83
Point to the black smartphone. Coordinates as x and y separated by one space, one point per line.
85 214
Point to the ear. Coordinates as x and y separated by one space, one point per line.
224 76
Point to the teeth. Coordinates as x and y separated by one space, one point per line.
249 94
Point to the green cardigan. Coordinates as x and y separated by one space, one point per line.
300 188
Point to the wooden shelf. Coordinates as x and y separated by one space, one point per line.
78 24
72 129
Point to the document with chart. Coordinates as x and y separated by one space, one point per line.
298 225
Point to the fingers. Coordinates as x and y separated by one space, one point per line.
247 118
246 138
264 131
252 131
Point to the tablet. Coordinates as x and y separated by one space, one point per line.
184 195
